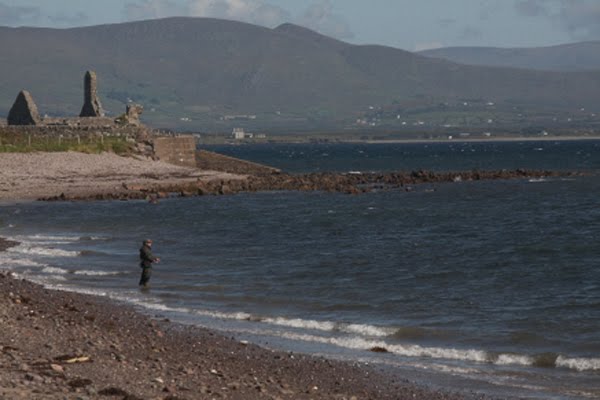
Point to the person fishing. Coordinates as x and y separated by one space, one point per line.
146 260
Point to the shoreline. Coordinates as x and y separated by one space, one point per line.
485 140
89 177
57 344
324 139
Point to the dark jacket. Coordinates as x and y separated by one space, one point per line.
146 257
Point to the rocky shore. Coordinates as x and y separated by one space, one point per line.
327 182
60 345
78 176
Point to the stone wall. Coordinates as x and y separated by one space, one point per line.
178 150
218 162
134 132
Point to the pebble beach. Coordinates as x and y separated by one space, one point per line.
60 345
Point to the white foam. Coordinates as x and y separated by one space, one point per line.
301 323
239 316
25 248
579 364
450 369
403 350
55 271
7 261
97 273
514 359
328 326
54 239
366 330
93 238
92 292
159 306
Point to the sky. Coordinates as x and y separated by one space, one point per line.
407 24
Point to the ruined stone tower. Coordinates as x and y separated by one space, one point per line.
133 113
91 103
24 111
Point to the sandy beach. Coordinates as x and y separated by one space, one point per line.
31 176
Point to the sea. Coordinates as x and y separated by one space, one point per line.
485 287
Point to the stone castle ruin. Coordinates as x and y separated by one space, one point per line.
24 119
91 102
24 111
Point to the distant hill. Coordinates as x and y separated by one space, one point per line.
197 74
583 56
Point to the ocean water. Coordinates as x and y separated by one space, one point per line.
492 287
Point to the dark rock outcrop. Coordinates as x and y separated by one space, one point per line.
24 111
91 102
325 182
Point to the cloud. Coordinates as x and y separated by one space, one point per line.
320 17
470 33
428 46
77 19
446 22
532 8
581 18
152 9
14 15
252 11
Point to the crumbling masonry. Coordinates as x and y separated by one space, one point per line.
24 112
91 102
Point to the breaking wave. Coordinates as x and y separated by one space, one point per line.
30 249
98 273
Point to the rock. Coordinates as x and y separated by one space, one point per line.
113 391
79 382
31 377
24 111
57 368
378 349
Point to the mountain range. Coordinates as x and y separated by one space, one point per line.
583 56
206 74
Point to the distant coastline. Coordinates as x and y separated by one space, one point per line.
222 139
483 140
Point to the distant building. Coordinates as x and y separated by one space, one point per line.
239 117
238 133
